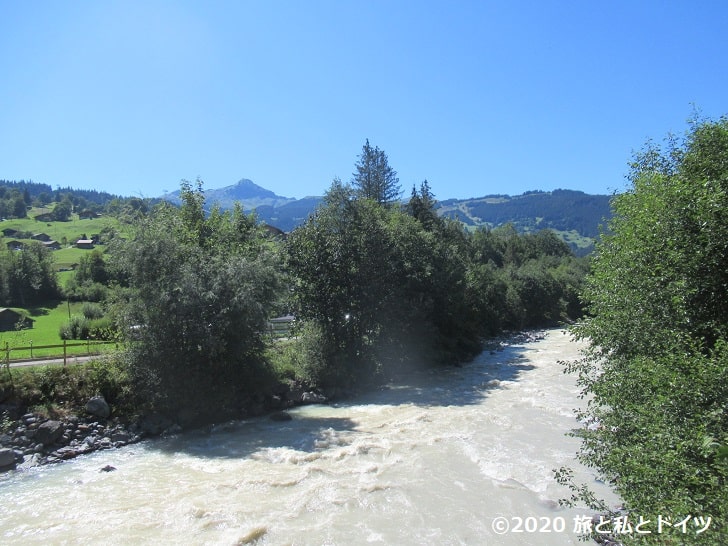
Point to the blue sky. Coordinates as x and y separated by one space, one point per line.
476 97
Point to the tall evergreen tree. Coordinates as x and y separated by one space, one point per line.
374 178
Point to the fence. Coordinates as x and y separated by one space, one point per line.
65 346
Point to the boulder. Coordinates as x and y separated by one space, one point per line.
98 407
49 432
313 398
7 459
120 437
295 393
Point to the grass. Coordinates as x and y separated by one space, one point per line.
47 323
66 233
71 230
67 258
573 237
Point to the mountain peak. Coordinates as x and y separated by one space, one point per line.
246 189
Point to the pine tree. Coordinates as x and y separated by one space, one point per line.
374 178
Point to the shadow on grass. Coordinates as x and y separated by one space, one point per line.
38 311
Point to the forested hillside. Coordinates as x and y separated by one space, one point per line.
561 210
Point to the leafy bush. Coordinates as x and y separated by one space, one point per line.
92 311
48 388
102 329
76 328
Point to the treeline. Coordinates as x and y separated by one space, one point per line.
383 287
378 286
16 197
657 368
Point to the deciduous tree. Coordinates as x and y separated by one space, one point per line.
657 368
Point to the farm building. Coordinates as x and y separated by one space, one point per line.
53 245
84 243
10 319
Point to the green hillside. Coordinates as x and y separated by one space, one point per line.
65 233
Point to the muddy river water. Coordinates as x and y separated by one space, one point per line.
457 456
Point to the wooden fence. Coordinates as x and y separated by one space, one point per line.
89 344
277 328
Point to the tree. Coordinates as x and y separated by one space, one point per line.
198 297
657 366
63 209
338 259
422 206
27 276
20 209
383 290
374 179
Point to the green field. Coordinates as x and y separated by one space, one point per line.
45 331
66 233
49 318
71 230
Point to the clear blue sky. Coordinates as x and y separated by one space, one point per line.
477 97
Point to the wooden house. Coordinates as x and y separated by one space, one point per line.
9 320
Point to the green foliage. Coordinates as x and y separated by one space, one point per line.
27 277
76 328
374 178
92 311
656 372
386 288
199 293
55 387
62 211
91 324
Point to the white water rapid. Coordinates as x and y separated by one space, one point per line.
434 461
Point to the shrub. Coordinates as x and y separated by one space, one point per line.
102 329
92 311
76 328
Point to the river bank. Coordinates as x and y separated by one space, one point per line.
31 439
441 458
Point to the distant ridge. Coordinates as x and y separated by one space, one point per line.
561 210
576 216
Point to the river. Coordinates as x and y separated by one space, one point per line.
432 461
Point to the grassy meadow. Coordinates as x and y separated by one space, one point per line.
49 318
66 233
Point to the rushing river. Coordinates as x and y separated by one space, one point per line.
433 461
